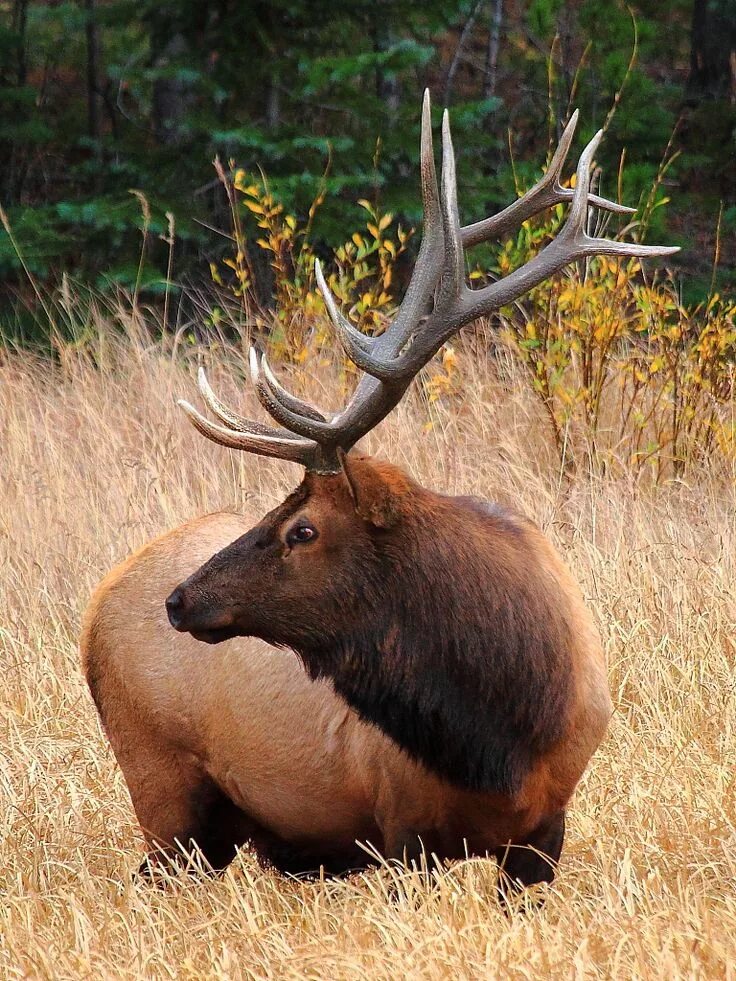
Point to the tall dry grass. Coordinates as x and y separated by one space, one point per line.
96 460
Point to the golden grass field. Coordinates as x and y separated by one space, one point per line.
97 459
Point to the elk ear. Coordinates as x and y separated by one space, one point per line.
374 497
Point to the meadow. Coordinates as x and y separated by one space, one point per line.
97 459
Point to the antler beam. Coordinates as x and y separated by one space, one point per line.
437 304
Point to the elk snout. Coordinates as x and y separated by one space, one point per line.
188 614
176 606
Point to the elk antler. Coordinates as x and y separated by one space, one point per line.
436 305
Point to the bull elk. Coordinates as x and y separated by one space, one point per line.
455 687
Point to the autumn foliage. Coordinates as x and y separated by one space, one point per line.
628 376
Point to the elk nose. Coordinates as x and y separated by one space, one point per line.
175 607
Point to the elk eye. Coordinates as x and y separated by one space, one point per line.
301 533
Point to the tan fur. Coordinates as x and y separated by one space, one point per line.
285 749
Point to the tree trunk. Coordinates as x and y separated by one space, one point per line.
387 86
172 96
273 100
93 85
712 49
20 24
462 42
566 34
494 41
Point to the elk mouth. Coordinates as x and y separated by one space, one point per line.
215 635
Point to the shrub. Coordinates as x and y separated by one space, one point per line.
627 375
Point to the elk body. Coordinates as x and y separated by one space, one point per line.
454 685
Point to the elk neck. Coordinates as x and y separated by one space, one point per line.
461 654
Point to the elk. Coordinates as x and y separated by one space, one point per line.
454 685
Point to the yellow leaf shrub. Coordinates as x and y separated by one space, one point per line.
628 377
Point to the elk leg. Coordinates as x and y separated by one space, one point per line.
414 849
310 862
211 823
534 860
178 806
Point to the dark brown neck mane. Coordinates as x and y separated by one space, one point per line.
461 654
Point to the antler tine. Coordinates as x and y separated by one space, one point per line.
418 296
545 193
287 399
631 250
357 346
453 272
451 281
305 426
286 447
578 214
350 338
441 267
588 245
563 148
231 419
575 232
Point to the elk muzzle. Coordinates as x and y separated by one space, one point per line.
189 613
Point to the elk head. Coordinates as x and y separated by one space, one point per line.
374 581
308 567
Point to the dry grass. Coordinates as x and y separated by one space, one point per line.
95 462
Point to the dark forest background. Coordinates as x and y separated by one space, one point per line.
101 97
